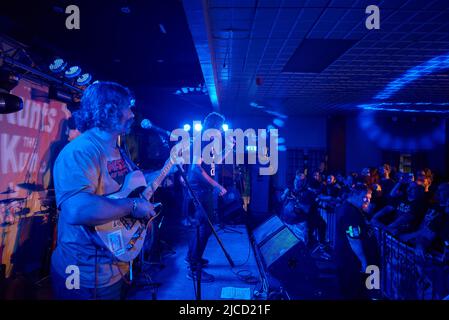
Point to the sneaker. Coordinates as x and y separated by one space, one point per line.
205 277
204 262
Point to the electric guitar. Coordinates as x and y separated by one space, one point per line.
125 237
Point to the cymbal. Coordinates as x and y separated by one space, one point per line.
6 201
31 186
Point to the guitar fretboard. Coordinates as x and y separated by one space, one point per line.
157 182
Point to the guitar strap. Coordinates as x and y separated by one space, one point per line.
124 152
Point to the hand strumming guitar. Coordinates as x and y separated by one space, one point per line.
142 209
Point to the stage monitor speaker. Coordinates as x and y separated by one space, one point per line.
286 257
264 231
282 250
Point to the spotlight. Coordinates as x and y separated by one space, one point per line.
72 72
198 127
9 103
58 65
187 127
83 79
278 122
225 127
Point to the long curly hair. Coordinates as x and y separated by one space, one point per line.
101 106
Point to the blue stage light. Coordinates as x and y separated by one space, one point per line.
58 65
72 72
225 127
187 127
198 127
84 79
279 122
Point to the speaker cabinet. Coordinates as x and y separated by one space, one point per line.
285 257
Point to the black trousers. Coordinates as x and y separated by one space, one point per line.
201 228
352 283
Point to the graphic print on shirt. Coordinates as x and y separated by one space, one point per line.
117 169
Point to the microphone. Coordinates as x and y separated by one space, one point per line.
146 124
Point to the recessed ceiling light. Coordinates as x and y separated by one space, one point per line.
126 10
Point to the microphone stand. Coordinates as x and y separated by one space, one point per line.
199 207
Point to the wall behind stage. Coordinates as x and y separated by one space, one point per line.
29 143
370 137
306 132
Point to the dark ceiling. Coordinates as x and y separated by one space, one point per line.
149 49
254 41
249 51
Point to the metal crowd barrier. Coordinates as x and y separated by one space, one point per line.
327 213
404 275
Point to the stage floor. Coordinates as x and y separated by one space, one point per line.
173 277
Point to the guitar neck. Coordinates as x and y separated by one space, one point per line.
149 191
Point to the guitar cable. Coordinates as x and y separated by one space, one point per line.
116 261
245 275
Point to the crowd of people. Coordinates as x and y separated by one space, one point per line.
409 206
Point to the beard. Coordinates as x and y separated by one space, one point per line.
125 128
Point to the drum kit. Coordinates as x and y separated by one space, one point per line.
14 208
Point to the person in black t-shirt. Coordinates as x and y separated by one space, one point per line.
355 244
297 206
386 184
434 229
406 216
